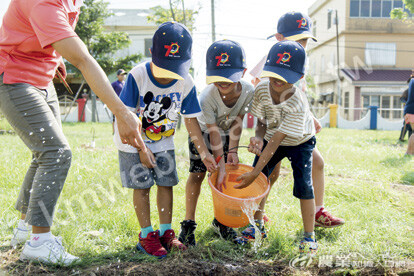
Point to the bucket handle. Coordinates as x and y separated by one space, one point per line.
218 159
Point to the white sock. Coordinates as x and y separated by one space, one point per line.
39 239
318 208
23 225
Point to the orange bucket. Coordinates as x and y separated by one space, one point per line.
229 203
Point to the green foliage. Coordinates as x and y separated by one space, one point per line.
101 45
159 15
400 13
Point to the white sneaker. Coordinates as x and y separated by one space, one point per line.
50 252
20 236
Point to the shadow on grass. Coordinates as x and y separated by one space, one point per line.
396 161
408 178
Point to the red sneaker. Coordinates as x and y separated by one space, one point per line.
266 219
169 241
325 219
151 245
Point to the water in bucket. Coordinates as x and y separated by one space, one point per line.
229 204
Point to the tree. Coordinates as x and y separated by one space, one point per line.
159 15
102 46
400 13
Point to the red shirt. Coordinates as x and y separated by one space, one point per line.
28 30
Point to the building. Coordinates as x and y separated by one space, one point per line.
134 23
375 56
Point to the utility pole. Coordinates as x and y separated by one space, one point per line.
337 59
213 22
338 69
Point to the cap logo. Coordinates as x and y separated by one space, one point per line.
171 49
285 57
302 23
222 59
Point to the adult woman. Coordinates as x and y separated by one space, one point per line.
34 37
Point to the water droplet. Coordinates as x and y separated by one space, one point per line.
30 133
162 209
42 129
58 160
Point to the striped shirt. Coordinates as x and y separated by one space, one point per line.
291 117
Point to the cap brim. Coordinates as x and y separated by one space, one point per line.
280 73
301 36
224 75
172 69
124 73
163 73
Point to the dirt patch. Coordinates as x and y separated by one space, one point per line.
404 188
188 263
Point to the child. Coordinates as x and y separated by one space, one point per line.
224 101
157 91
296 26
285 129
409 114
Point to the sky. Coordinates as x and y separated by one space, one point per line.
245 21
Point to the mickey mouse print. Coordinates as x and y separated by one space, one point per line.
159 106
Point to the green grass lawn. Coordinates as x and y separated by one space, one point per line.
369 183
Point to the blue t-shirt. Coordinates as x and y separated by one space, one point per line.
409 106
117 86
158 106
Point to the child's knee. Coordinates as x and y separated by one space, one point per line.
318 163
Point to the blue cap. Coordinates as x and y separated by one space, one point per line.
295 26
171 51
226 62
286 61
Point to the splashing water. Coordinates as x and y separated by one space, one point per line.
250 207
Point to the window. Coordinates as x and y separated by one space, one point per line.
386 8
386 103
397 104
376 8
314 29
375 101
365 100
346 105
365 8
398 4
381 54
355 8
329 19
148 45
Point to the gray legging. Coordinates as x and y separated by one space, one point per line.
34 114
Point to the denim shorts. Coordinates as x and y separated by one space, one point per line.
300 158
135 175
196 165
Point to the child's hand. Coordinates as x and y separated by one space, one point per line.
246 179
147 158
318 126
256 145
220 178
232 158
210 163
